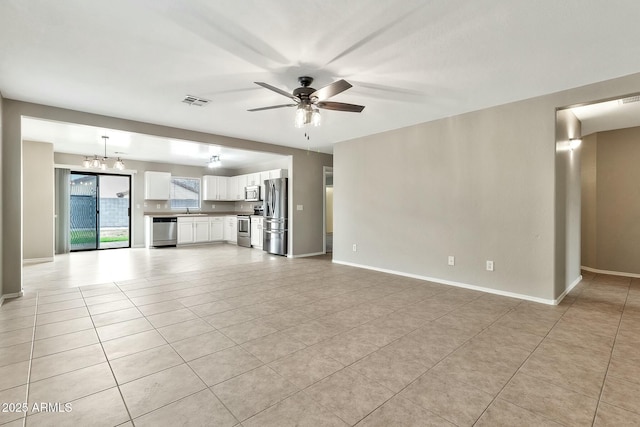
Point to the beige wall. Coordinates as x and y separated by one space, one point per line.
617 202
479 186
1 198
38 201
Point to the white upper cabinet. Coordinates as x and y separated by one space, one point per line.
231 188
253 178
157 185
236 187
214 187
278 173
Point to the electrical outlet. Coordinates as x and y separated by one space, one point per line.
489 265
213 206
300 207
452 260
355 248
158 206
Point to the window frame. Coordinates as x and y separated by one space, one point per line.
172 193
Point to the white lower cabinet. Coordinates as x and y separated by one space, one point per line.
216 229
193 230
201 230
231 229
185 230
256 232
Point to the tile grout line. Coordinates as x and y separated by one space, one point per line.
179 355
520 367
106 358
33 342
595 414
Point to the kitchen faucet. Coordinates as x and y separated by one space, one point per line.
188 211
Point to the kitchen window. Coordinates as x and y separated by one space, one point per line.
185 193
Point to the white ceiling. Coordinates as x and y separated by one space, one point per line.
88 141
409 61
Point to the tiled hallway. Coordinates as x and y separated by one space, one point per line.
235 337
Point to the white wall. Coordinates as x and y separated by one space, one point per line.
38 201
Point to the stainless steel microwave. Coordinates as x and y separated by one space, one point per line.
252 193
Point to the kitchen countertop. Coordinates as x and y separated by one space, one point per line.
198 214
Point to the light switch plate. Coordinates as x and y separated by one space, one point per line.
299 207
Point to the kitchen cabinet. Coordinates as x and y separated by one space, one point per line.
277 173
256 232
231 229
214 187
253 178
201 230
216 229
185 230
236 187
157 185
193 230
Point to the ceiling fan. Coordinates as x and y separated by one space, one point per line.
308 100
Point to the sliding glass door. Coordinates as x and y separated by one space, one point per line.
100 207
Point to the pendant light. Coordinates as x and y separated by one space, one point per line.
97 163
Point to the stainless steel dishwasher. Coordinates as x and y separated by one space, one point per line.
165 231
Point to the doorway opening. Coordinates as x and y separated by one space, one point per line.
100 211
328 209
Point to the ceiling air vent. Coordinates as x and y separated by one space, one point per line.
195 100
631 99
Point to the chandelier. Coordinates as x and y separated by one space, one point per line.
97 163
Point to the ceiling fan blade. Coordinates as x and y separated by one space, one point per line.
331 90
276 90
340 106
272 107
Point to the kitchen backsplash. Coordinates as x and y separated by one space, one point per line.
152 206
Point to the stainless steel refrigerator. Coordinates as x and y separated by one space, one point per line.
276 223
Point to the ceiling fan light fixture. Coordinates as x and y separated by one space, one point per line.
300 116
95 162
315 117
86 163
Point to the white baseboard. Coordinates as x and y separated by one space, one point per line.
566 291
456 284
36 260
9 296
305 255
611 273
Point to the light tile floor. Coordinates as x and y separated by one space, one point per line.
226 336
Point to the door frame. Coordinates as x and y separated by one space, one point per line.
97 175
326 170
